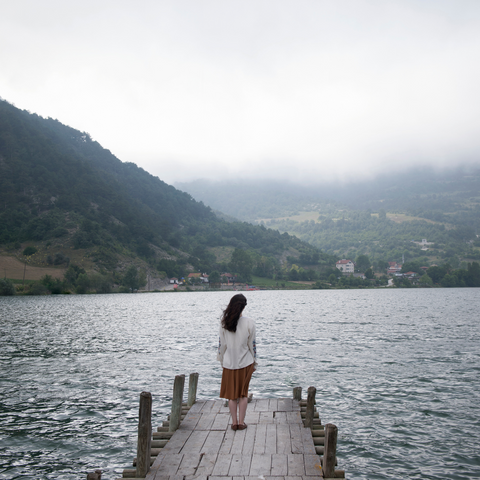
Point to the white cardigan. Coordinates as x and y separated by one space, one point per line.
238 349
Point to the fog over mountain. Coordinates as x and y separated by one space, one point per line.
272 89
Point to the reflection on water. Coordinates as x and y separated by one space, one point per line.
395 370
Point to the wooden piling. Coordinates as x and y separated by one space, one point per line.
329 451
297 393
310 407
177 399
144 435
96 475
192 389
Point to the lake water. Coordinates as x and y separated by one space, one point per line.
396 370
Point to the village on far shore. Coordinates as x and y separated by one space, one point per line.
346 268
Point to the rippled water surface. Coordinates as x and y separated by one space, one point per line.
396 370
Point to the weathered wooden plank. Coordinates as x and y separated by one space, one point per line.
293 417
169 477
266 417
238 439
217 406
197 406
190 421
240 465
206 421
207 464
261 464
227 442
195 443
261 432
189 464
296 438
224 408
207 407
280 417
169 465
284 443
295 464
249 440
279 465
313 465
261 405
271 439
273 404
252 417
221 421
284 405
213 442
307 440
177 442
222 465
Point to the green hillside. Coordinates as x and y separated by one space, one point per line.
384 218
72 200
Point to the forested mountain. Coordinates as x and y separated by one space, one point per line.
381 218
59 188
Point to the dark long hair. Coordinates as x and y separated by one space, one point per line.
233 311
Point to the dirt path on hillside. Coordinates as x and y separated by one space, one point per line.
12 268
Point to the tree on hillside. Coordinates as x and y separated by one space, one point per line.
437 273
362 263
214 278
83 283
6 287
472 278
242 264
133 279
426 281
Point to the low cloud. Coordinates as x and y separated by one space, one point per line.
266 90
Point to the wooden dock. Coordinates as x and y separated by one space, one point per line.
284 440
275 444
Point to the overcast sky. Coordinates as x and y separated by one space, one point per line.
302 90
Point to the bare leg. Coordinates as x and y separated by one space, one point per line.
242 410
232 405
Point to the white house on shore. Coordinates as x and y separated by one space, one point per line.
345 266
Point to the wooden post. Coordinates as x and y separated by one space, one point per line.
144 434
192 389
310 407
330 451
96 475
297 393
176 414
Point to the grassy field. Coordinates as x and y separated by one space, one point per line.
402 217
270 283
13 269
222 254
301 217
313 215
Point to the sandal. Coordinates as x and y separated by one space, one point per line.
235 427
242 427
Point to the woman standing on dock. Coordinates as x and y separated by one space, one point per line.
237 354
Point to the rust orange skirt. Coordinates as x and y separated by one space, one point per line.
235 382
